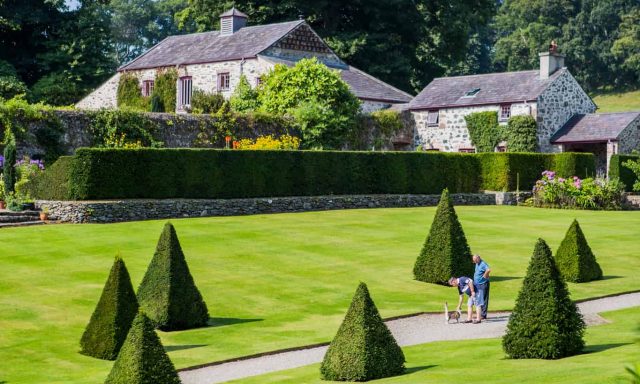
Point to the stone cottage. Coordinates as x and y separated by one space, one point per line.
214 61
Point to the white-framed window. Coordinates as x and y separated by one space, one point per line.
224 80
147 88
186 88
505 112
258 81
432 118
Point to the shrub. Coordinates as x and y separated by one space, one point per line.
129 93
112 317
484 130
11 86
286 142
545 323
445 252
53 183
122 129
203 102
573 192
156 103
165 88
142 359
364 348
522 134
574 258
634 166
244 98
9 171
55 89
168 293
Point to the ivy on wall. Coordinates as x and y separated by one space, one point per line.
129 94
165 89
122 129
522 134
484 131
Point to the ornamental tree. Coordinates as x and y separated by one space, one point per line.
364 348
168 294
142 359
112 317
575 260
545 323
445 252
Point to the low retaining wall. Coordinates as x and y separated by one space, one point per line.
111 211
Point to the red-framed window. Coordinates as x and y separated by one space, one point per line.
147 87
505 112
224 80
186 88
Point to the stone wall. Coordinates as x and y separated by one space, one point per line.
103 97
452 134
133 210
629 139
562 99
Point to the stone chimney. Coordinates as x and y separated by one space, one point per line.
550 61
231 21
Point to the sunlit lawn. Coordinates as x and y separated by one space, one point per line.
618 101
271 281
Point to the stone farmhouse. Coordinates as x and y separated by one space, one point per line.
214 61
563 111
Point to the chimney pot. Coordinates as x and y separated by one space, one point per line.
550 61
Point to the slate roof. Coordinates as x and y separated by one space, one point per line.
495 88
594 127
363 85
234 12
209 47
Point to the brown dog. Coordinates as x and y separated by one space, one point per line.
450 315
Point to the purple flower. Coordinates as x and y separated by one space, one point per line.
561 180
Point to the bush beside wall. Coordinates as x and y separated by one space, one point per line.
619 171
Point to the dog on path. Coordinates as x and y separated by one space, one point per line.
455 315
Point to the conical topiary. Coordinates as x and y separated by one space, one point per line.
167 293
364 348
545 323
112 317
142 359
445 252
575 259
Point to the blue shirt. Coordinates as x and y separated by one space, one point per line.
478 276
463 285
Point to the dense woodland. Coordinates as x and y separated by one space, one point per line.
56 53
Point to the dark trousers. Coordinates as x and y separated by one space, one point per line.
485 307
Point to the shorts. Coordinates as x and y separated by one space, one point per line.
471 301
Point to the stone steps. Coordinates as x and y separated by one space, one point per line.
22 224
22 218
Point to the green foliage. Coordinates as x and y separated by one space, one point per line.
627 45
445 252
203 102
575 260
111 320
618 170
222 124
167 292
55 89
316 96
122 128
165 88
484 130
522 134
53 183
11 86
545 323
142 359
156 103
129 94
9 170
364 348
634 166
244 98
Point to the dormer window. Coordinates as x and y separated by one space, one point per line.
472 92
432 118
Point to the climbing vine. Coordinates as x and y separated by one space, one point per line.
484 130
522 134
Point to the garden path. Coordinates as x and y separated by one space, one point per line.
411 330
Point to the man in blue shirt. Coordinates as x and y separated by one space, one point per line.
465 285
481 280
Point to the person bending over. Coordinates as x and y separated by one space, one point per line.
465 286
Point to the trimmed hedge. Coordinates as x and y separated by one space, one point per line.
53 184
364 348
619 171
575 260
106 173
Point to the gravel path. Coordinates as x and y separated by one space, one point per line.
412 330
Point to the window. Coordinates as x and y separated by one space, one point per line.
147 88
185 91
467 150
472 93
258 81
502 148
432 118
505 112
223 81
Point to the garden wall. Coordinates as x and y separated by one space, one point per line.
94 174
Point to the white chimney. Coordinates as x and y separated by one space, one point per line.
231 21
550 61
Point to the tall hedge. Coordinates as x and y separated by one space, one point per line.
165 88
9 170
484 130
129 93
545 323
168 294
101 173
574 258
445 252
112 317
364 348
619 171
142 359
522 134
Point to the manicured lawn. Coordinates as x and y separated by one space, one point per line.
271 281
609 348
617 101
